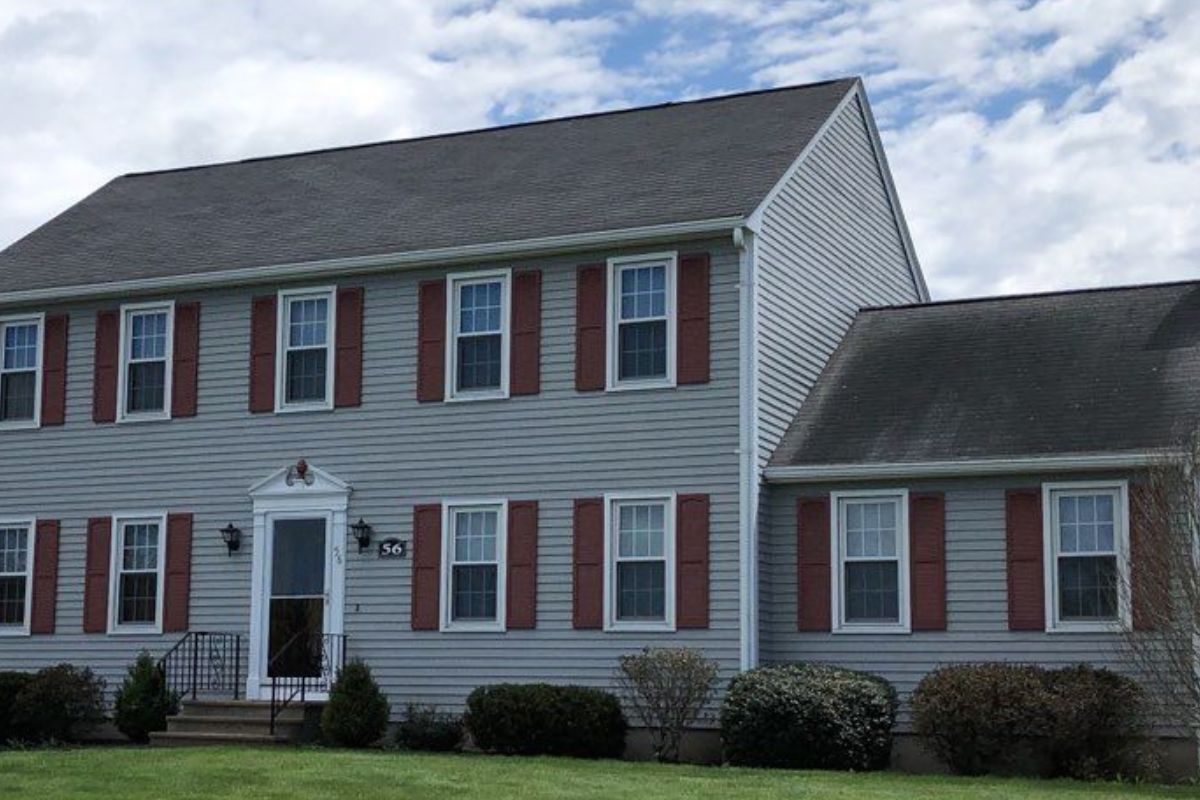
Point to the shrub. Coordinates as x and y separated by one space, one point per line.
808 716
357 712
58 704
668 688
143 701
11 684
1097 723
537 718
980 718
425 728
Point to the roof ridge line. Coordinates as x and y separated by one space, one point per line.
999 298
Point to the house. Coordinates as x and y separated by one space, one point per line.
504 405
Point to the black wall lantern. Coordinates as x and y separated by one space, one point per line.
362 532
232 537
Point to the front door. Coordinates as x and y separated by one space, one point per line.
297 609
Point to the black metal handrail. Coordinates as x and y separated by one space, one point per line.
305 663
204 662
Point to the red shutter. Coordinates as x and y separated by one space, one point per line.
813 566
177 593
348 360
693 311
591 308
589 564
1026 576
262 353
54 371
522 564
104 384
45 577
691 561
526 354
927 545
431 342
95 578
185 377
427 566
1150 570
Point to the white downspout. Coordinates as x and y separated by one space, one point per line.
749 471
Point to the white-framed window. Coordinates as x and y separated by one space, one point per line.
135 599
1086 547
478 320
16 576
21 348
474 564
304 365
147 353
639 561
870 579
641 321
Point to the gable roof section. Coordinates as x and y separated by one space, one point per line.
1065 374
672 163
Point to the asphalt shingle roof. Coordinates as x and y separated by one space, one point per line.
662 164
1069 373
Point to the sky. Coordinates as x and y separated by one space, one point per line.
1035 145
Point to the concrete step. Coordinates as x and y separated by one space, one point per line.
288 725
244 709
172 739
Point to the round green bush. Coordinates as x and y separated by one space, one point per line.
808 716
58 704
1097 723
357 712
143 702
11 684
541 719
426 728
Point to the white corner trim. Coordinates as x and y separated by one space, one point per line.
383 262
282 316
838 607
127 310
30 525
612 320
818 473
115 626
749 468
39 319
455 279
611 623
446 582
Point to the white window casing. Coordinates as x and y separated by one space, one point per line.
866 549
132 354
15 363
309 335
643 309
16 563
613 558
474 553
1086 536
480 323
118 568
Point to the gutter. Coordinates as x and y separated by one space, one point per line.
958 468
383 262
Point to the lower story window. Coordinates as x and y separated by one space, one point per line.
641 540
138 574
1087 536
15 563
475 585
871 542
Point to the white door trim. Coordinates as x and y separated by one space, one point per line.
283 496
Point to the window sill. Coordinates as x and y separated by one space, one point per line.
472 627
303 408
135 630
1115 626
20 425
640 386
14 632
474 397
639 627
157 416
873 630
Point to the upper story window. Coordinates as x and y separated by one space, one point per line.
640 543
147 334
479 328
306 324
20 371
136 591
475 573
16 567
870 579
1087 549
641 347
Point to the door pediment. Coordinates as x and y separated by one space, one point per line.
300 483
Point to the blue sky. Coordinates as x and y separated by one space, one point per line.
1035 145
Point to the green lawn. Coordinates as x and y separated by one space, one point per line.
132 773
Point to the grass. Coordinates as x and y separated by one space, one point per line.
133 773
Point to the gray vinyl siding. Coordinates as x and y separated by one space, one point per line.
976 596
395 452
829 245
